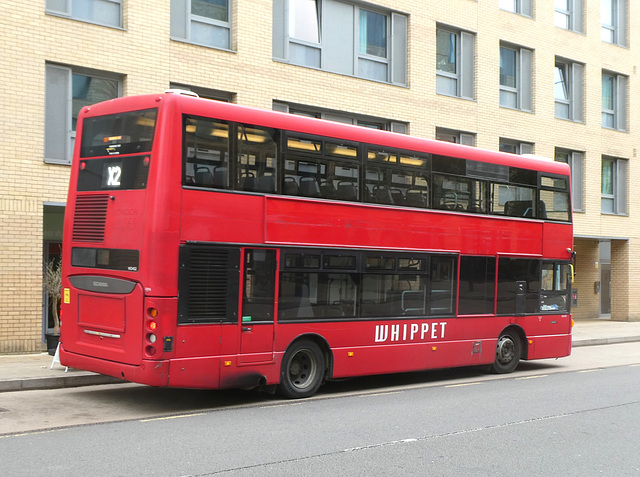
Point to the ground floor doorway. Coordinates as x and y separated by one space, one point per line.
53 219
605 279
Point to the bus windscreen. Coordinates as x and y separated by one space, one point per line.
116 134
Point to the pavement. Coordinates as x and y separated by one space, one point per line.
23 372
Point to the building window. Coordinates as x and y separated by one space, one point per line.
569 15
341 38
568 89
102 12
575 160
516 78
372 54
515 147
304 33
202 22
614 101
206 93
614 186
457 137
455 63
522 7
67 91
613 15
341 117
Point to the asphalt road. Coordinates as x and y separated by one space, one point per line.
575 416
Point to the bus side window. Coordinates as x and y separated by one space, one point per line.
257 160
206 159
259 285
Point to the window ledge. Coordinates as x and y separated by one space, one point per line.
188 42
516 109
615 129
570 120
82 20
613 214
465 98
283 61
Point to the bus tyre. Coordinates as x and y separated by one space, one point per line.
508 352
302 370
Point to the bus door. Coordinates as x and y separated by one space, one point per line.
258 306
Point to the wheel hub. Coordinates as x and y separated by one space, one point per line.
506 350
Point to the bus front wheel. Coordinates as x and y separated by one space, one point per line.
508 352
302 370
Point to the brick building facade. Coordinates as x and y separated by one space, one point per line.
523 76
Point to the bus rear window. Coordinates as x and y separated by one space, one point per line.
115 134
113 173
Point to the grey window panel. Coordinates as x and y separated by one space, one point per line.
279 36
62 7
621 27
399 49
304 55
577 92
467 139
374 70
577 159
467 73
398 127
508 99
621 187
621 103
98 11
57 124
282 107
578 16
338 37
179 19
446 85
526 148
526 80
209 35
338 118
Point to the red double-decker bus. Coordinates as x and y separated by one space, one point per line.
208 245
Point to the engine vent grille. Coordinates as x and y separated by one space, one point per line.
208 284
89 218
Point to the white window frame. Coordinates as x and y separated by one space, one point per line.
206 93
463 80
521 7
364 58
59 133
352 62
454 136
518 147
342 117
615 32
523 89
615 203
617 115
575 159
65 8
182 20
570 18
573 74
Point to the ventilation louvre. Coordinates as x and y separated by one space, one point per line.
89 218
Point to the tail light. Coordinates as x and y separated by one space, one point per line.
150 332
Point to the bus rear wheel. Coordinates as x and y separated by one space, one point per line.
302 370
508 352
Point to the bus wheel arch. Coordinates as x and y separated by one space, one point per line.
511 347
304 367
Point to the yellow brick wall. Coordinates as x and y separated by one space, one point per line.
143 53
